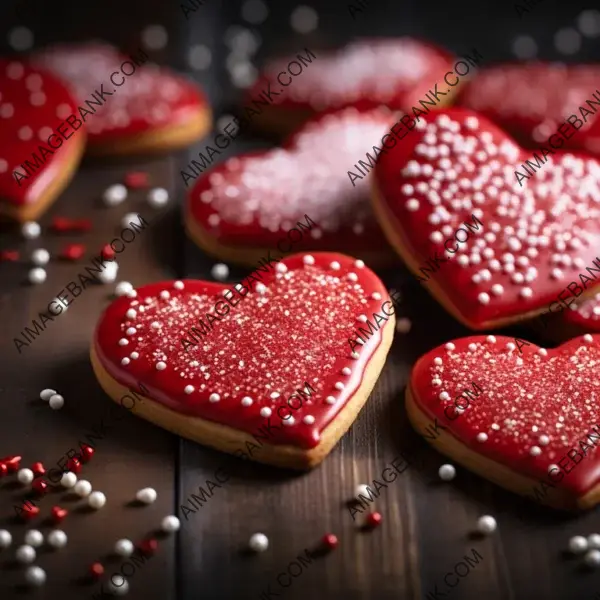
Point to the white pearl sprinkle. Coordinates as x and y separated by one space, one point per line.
83 488
188 389
335 265
247 401
588 338
309 419
482 437
330 400
37 275
281 268
376 296
131 314
115 194
486 525
214 398
544 440
57 538
491 339
535 451
131 331
258 542
265 412
124 548
125 361
497 289
483 298
40 257
123 288
158 197
146 495
412 205
450 346
68 480
289 421
25 476
308 259
447 472
165 295
593 541
47 394
5 538
339 385
34 538
592 558
25 554
96 500
56 402
362 490
170 524
352 276
354 355
346 371
179 285
220 271
526 292
161 366
119 589
444 396
578 544
31 230
130 218
109 275
35 576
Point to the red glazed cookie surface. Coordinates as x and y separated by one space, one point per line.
33 104
292 328
527 407
253 200
364 74
504 252
532 100
141 98
584 314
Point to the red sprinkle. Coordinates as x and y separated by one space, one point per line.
29 511
73 252
60 224
148 547
38 469
9 255
39 486
96 570
136 180
65 225
330 541
107 252
3 470
373 519
74 465
59 514
12 463
86 453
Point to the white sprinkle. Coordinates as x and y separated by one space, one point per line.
335 265
123 288
304 19
447 472
259 542
289 421
544 440
158 197
491 339
25 476
309 419
170 524
214 398
96 500
483 298
37 275
308 259
578 544
247 401
115 194
161 366
450 346
83 488
40 257
56 402
131 314
486 524
188 389
220 272
34 538
535 451
165 295
46 394
339 385
68 480
330 400
482 437
588 338
123 342
146 495
125 361
178 285
265 412
131 331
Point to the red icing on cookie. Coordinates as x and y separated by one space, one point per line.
530 242
290 329
364 74
254 199
150 98
33 104
533 405
584 313
532 100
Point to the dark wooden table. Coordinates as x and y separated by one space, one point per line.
428 525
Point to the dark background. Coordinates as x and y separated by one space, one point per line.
427 524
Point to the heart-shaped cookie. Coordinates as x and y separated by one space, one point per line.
274 374
532 101
491 249
248 203
129 106
39 149
365 74
519 415
583 316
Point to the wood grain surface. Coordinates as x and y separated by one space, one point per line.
428 525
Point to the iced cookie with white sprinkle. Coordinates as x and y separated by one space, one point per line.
39 148
128 105
255 202
274 369
491 248
365 74
524 417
